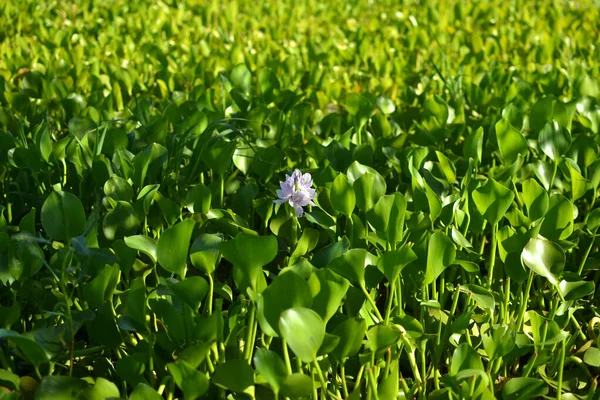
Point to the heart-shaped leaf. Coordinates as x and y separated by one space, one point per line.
173 246
545 258
440 254
493 200
307 321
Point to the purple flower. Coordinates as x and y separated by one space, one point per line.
297 191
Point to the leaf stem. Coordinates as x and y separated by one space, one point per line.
372 383
248 344
553 176
286 357
525 301
411 357
343 375
211 289
587 253
390 299
560 371
321 376
371 301
493 253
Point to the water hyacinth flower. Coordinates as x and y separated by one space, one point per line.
297 191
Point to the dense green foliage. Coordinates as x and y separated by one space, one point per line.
452 251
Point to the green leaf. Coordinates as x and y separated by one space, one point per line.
412 326
62 216
329 344
286 291
119 222
311 325
576 290
173 246
387 217
27 224
483 297
241 77
195 354
330 252
25 259
498 340
242 252
558 221
351 332
297 385
342 196
592 357
440 254
351 265
143 391
328 290
235 375
493 200
436 106
118 189
545 258
9 380
447 167
192 382
191 290
271 367
198 199
339 156
218 156
524 389
473 145
61 387
536 199
391 263
308 241
103 329
368 188
544 331
381 337
554 140
205 254
513 115
31 349
510 141
578 182
103 389
465 358
143 244
101 288
388 389
593 220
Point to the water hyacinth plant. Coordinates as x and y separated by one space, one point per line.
448 246
297 191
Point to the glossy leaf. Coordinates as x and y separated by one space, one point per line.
510 141
342 195
440 254
243 253
205 253
235 375
493 200
304 320
173 246
62 216
271 367
554 140
545 258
